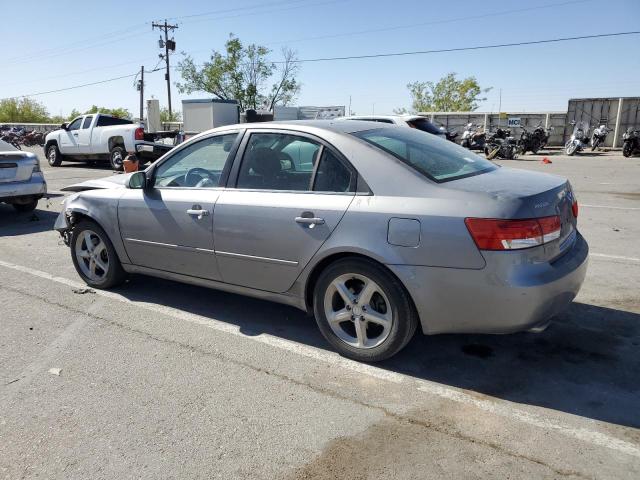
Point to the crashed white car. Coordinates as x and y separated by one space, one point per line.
21 181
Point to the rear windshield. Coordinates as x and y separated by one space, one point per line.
424 125
438 159
108 121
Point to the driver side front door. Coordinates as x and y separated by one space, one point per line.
169 227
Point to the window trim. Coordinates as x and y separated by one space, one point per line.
224 176
232 182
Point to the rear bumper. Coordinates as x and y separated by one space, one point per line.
35 188
151 151
506 296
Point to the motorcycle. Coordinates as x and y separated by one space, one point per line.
473 137
11 139
631 142
501 145
579 138
599 135
451 136
542 134
33 138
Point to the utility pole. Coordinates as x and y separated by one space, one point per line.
141 88
168 45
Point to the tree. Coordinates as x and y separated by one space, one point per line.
448 95
174 117
23 110
116 112
242 73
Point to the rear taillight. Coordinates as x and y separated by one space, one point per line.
139 134
498 234
574 208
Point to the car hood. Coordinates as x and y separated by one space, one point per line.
115 181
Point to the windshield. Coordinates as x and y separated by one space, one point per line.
438 159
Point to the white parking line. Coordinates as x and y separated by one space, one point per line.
498 407
608 206
614 257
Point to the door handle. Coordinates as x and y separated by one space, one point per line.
309 220
75 134
199 212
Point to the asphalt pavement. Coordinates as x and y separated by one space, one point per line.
162 380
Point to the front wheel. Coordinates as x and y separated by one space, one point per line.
94 257
570 148
116 157
491 153
363 311
627 149
54 158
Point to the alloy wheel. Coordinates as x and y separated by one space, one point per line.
358 311
92 255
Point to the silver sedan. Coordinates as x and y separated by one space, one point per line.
374 229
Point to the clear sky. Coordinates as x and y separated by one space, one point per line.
49 45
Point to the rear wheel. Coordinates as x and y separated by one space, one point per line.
54 158
362 310
94 257
627 149
116 157
26 207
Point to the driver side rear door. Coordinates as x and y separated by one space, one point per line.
169 227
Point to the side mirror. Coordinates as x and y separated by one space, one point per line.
64 126
138 181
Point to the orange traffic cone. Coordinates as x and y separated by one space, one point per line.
546 160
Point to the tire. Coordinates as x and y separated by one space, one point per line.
535 146
54 157
388 303
594 145
627 149
106 271
116 157
491 154
570 148
26 207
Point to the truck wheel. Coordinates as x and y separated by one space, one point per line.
54 157
116 157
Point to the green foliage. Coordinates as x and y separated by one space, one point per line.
23 110
242 73
448 95
116 112
174 117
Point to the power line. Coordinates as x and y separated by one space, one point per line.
73 87
460 49
431 22
229 10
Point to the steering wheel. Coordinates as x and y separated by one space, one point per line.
196 177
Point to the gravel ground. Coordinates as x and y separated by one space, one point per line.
162 380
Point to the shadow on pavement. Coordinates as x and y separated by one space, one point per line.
13 223
586 363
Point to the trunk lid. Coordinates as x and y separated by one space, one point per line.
532 195
16 166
